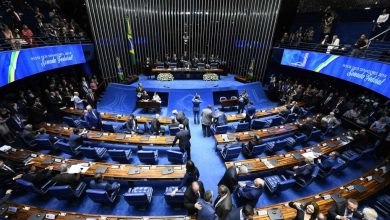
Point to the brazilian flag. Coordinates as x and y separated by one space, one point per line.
12 66
130 41
121 75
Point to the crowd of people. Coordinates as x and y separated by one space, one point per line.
48 27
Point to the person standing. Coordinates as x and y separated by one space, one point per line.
207 116
196 107
184 137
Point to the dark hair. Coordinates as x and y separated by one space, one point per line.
76 130
222 189
132 115
316 208
247 210
190 167
208 196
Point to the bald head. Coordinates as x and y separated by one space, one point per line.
259 182
243 170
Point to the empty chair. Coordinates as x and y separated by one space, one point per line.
274 121
350 156
304 181
108 128
278 183
366 150
178 199
70 121
176 157
66 148
258 124
139 196
122 156
173 131
102 196
93 152
222 98
341 164
291 118
29 186
82 124
256 150
276 145
315 135
233 97
299 138
382 205
243 127
148 157
66 192
44 143
230 153
222 129
290 141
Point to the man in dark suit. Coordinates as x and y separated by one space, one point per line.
223 203
250 110
219 118
37 177
91 100
132 124
99 183
247 148
28 135
307 127
93 118
361 139
76 138
230 178
327 162
155 125
15 122
242 213
64 178
249 193
191 196
184 137
344 210
206 211
303 170
54 107
295 108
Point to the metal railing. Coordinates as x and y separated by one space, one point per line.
23 43
376 36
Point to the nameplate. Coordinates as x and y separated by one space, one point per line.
134 170
166 171
97 135
379 179
144 138
48 161
275 214
360 188
120 137
100 170
169 139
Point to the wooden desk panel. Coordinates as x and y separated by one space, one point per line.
147 172
263 133
229 103
372 187
185 70
119 117
112 137
148 104
261 113
287 160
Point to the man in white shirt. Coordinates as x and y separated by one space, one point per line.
334 44
380 24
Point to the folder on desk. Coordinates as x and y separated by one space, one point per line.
38 216
120 137
48 161
331 145
377 178
100 170
360 188
97 135
298 156
275 214
144 138
248 165
169 139
167 170
316 150
232 137
57 129
337 197
273 161
134 170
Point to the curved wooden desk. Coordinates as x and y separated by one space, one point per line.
372 187
118 117
114 171
261 113
258 165
119 138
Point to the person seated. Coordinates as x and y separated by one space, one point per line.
155 126
145 96
352 113
235 143
174 123
308 211
98 183
76 138
379 126
219 118
369 213
65 178
247 148
346 209
303 170
43 135
28 135
307 127
156 97
330 122
360 45
360 139
36 177
295 108
245 212
205 208
250 193
223 203
93 118
326 162
131 124
191 196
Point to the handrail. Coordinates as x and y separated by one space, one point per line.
388 29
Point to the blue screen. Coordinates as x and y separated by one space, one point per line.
15 65
370 74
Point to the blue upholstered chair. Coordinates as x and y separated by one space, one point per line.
350 156
148 157
102 196
243 127
139 196
258 124
178 199
315 135
173 131
66 148
44 143
82 124
122 156
108 128
176 157
276 145
70 121
29 186
93 152
66 192
290 141
278 183
299 138
306 180
291 118
230 153
256 150
222 129
274 121
341 164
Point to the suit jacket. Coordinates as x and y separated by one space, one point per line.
196 104
223 207
28 136
72 180
38 178
339 209
180 117
184 137
207 212
235 214
75 140
15 123
230 178
189 178
190 198
104 185
93 118
307 128
132 125
155 125
207 116
249 195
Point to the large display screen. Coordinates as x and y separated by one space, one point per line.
370 74
15 65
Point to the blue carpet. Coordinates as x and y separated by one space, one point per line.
120 99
